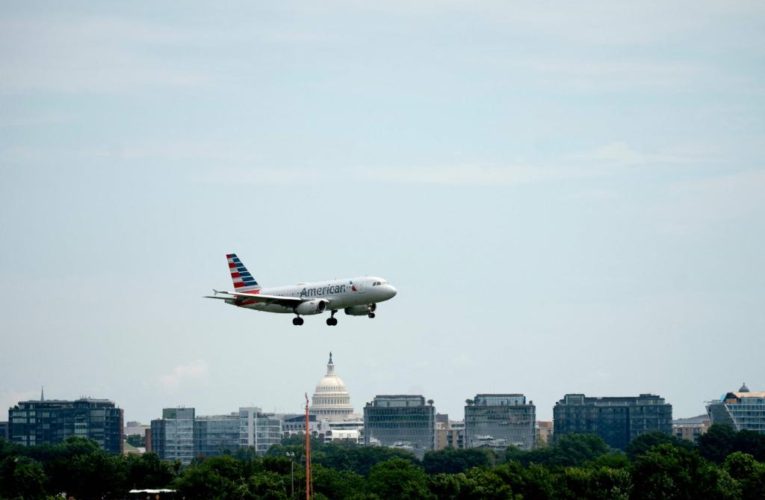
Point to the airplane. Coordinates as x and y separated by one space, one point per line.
356 296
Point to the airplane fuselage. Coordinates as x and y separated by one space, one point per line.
338 294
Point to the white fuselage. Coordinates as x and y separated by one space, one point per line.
338 294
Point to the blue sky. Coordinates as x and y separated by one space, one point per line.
568 196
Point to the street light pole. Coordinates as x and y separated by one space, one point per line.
292 473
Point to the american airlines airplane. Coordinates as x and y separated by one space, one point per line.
357 296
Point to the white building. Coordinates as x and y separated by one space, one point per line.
742 410
331 400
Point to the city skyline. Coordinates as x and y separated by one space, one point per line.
567 197
228 409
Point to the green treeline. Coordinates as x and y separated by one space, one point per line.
724 464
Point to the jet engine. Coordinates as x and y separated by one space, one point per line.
316 306
360 310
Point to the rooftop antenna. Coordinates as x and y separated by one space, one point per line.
42 393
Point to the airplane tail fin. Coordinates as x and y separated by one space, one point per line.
243 280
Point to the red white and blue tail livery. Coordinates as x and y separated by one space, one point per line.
243 280
356 296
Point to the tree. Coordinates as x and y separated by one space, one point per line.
96 475
59 461
398 478
446 486
213 477
576 449
197 482
748 472
7 449
335 483
21 477
670 472
485 484
534 482
570 450
717 443
450 460
148 471
358 459
594 483
267 485
750 442
535 456
645 442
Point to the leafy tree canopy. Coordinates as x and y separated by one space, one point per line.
452 460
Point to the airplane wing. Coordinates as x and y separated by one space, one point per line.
268 299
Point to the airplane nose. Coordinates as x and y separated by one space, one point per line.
392 291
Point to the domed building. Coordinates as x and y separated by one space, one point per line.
331 401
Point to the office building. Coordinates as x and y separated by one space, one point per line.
618 420
331 400
258 430
348 430
742 410
172 436
544 432
400 421
690 428
449 433
52 421
497 421
135 437
216 435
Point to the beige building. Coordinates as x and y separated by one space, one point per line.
449 433
544 430
690 428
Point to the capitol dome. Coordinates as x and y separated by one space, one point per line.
331 400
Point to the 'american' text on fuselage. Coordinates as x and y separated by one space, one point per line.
322 291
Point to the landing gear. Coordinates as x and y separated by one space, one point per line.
297 321
371 315
332 320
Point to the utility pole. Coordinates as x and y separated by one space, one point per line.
307 452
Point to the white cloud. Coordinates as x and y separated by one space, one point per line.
195 372
610 159
475 175
624 155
